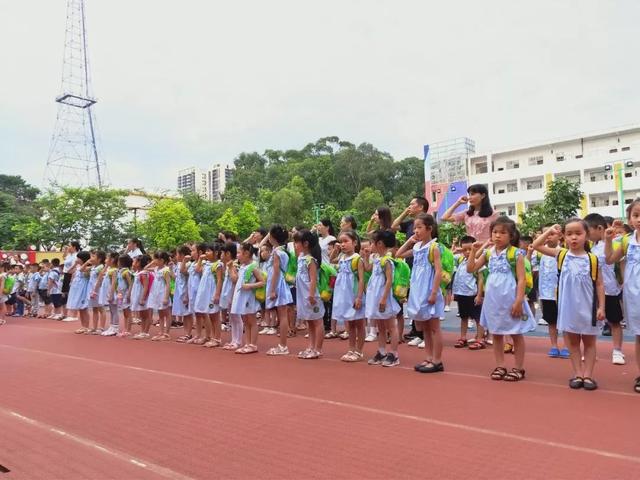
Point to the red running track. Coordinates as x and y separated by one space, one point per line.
76 407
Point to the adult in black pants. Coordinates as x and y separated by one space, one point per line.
68 267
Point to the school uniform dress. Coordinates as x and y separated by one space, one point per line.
137 289
78 299
93 279
105 288
193 284
631 286
500 294
345 291
612 289
180 308
283 292
576 297
422 276
122 288
207 288
465 291
548 288
155 300
244 301
375 290
226 294
304 309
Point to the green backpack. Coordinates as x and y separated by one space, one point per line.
9 282
446 259
512 258
292 268
260 292
401 277
326 281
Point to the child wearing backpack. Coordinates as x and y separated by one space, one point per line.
504 309
612 289
6 266
580 297
426 303
139 293
193 284
96 271
122 293
629 248
106 290
247 279
180 307
309 305
207 302
380 304
548 292
229 256
278 293
160 294
468 292
348 295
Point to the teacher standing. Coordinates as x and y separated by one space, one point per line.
480 215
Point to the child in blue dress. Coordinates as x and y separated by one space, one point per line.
106 295
193 284
124 282
630 249
207 303
309 306
380 305
278 292
160 293
96 271
580 302
139 294
244 301
348 294
180 306
229 258
425 304
78 299
505 310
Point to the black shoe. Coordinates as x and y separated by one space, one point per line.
411 335
606 330
390 360
576 383
431 368
589 384
377 359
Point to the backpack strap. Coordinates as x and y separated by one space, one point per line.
624 241
593 266
593 270
562 254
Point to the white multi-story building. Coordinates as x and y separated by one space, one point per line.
448 159
217 179
605 163
192 180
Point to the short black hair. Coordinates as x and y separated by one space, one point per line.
387 238
467 239
423 202
55 262
595 220
526 238
75 244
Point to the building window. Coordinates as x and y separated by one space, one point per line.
534 184
500 169
513 164
538 160
614 202
627 201
481 168
501 190
511 211
560 158
579 156
613 150
512 187
625 149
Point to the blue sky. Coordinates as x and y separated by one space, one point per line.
197 82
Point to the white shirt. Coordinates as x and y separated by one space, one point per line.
69 260
134 253
324 246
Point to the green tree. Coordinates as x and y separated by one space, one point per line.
169 223
228 221
287 207
561 202
365 203
17 209
449 231
248 219
205 214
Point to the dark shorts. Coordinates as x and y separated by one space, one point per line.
550 311
293 294
613 309
66 282
56 299
12 299
44 297
467 307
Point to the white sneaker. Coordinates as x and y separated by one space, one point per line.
447 308
421 344
225 327
618 358
272 331
414 342
263 331
110 332
542 321
370 338
141 336
70 319
471 324
279 350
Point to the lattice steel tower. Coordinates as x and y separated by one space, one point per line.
73 154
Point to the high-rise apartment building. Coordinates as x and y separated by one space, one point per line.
217 179
192 180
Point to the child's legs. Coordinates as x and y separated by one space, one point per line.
114 317
391 325
400 325
207 325
126 315
498 349
334 325
312 333
464 326
187 323
199 324
435 335
215 326
319 336
519 347
102 317
250 323
84 317
638 352
553 335
358 328
616 336
572 341
168 319
480 332
282 313
589 342
423 328
350 327
236 328
382 335
145 319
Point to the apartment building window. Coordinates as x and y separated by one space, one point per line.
628 174
538 160
579 156
534 184
500 190
512 187
511 211
511 164
560 158
481 167
625 149
627 201
613 150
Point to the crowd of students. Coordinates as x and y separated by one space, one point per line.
582 274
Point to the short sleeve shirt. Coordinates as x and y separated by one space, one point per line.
477 226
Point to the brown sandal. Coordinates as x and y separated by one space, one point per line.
515 375
461 343
498 373
477 345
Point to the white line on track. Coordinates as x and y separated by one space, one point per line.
350 406
152 467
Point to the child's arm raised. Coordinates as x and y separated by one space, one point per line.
199 267
437 265
516 308
539 243
475 261
612 256
406 250
184 265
